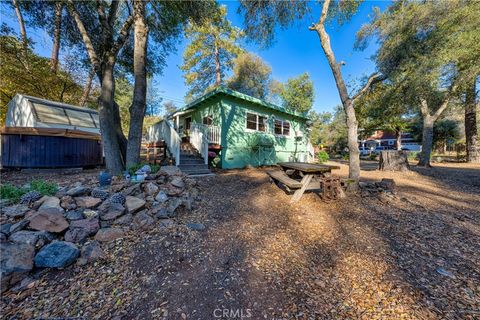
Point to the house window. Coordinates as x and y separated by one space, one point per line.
282 127
208 120
255 122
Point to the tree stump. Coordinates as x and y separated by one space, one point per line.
393 160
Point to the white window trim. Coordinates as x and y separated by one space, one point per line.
282 135
258 115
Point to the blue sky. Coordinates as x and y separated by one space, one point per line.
295 51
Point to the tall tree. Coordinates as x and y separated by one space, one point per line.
261 19
56 35
251 75
23 30
169 107
429 49
471 131
298 94
139 104
209 55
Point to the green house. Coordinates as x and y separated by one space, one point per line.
241 129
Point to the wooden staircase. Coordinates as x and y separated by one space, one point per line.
191 162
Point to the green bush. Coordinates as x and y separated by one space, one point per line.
8 191
373 156
413 155
346 156
322 156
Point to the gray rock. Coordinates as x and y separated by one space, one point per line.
195 226
143 221
162 213
27 237
124 220
78 191
173 204
80 230
3 237
170 170
166 223
177 182
74 215
59 254
132 190
50 203
18 226
109 234
150 188
25 284
50 220
90 253
16 211
133 204
5 228
187 202
161 197
16 261
111 211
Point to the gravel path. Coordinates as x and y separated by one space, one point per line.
412 256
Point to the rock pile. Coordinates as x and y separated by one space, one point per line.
55 231
386 186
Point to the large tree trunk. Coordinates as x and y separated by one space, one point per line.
56 36
218 73
87 88
427 141
471 133
391 160
138 107
108 124
23 31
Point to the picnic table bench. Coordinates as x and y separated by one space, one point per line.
300 177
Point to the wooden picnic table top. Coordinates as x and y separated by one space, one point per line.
308 167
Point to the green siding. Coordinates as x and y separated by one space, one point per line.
239 143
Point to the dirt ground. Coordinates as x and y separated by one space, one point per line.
415 255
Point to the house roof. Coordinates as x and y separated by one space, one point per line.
221 90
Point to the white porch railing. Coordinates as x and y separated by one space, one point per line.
212 133
164 131
199 140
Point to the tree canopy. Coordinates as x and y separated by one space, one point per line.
298 93
209 55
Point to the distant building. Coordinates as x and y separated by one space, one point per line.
381 138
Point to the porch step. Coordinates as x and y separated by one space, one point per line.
198 173
191 161
191 167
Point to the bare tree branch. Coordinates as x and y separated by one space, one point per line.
112 12
102 17
374 78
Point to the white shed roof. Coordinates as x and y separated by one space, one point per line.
53 113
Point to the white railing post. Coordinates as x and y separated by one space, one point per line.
169 135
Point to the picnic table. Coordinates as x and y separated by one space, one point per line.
300 177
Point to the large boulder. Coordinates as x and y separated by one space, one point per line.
16 260
173 204
50 220
80 230
124 220
59 254
78 191
109 234
88 202
20 225
170 170
16 211
177 182
90 253
111 211
143 221
74 215
34 238
49 203
133 204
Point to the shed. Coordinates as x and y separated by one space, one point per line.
46 134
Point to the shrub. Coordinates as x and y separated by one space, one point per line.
8 191
322 156
413 155
373 156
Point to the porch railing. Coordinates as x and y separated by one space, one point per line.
199 140
212 133
164 131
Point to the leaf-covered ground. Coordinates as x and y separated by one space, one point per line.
415 255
